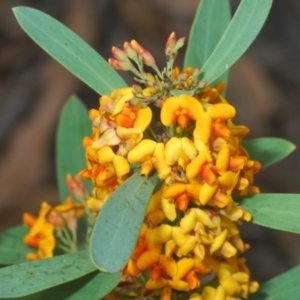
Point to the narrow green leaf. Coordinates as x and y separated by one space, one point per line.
74 125
93 286
12 248
268 151
31 277
69 50
118 223
278 211
284 286
210 22
242 30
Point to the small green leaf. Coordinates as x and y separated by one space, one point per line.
284 286
118 223
31 277
74 125
12 248
268 151
278 211
242 30
93 286
69 50
211 20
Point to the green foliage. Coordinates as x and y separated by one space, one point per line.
242 30
119 221
284 286
74 124
268 151
12 248
31 277
92 286
278 211
69 50
211 20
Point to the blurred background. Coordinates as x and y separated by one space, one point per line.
264 86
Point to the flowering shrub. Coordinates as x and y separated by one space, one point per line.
165 178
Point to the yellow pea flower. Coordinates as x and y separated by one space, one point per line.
180 151
180 109
151 155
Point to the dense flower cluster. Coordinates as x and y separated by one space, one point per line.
183 130
54 227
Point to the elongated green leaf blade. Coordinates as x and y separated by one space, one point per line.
31 277
242 30
284 286
268 151
93 286
118 223
211 20
12 248
74 125
278 211
69 50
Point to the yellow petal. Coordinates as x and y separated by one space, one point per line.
188 148
159 161
218 241
168 208
173 151
228 250
106 155
168 265
209 293
94 204
221 111
169 247
184 265
147 259
204 218
179 285
155 217
193 107
195 167
129 133
178 236
195 296
228 179
189 245
161 234
154 202
202 130
174 190
188 222
142 151
143 118
221 293
231 286
168 111
193 190
156 284
121 102
207 192
223 159
121 166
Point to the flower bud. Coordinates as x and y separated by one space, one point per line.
120 65
180 43
119 54
171 42
130 51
